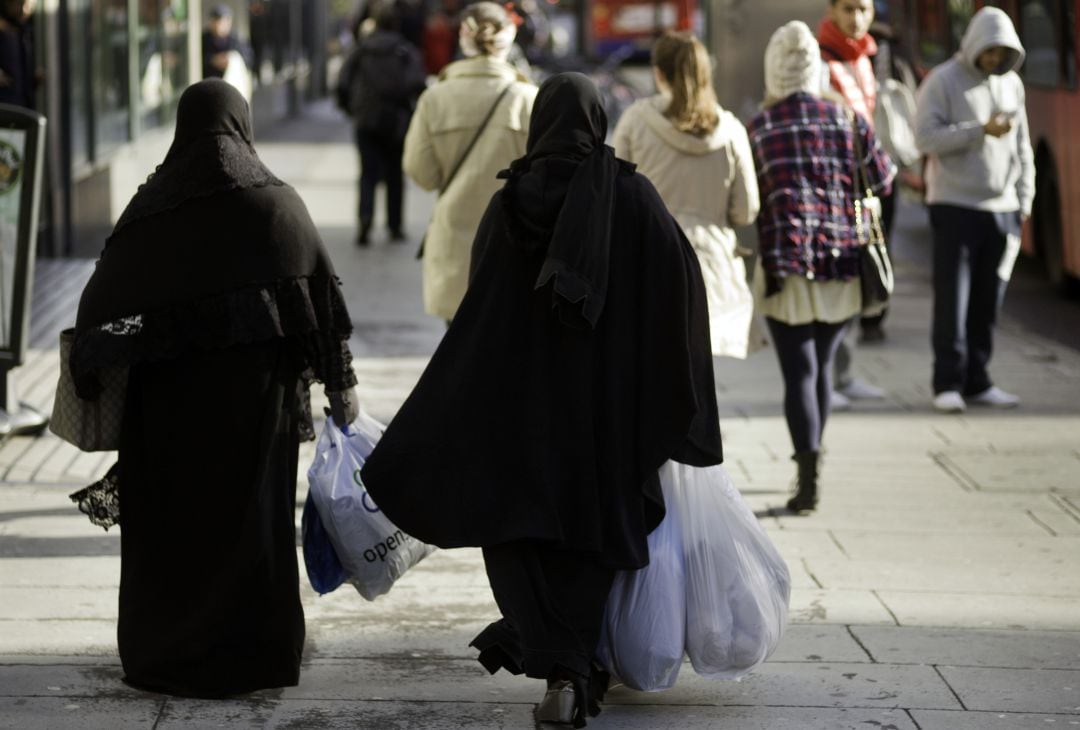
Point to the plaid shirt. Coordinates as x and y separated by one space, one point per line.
805 158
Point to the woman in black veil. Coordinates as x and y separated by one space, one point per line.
215 290
578 363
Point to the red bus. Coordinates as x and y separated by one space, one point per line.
631 26
931 31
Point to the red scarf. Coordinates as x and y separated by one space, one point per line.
851 73
836 46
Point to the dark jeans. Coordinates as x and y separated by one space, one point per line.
806 352
380 161
968 246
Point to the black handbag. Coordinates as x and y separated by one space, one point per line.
92 425
875 267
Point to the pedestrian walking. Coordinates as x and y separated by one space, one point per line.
225 56
468 126
215 290
378 87
807 278
578 363
847 48
18 75
698 156
980 184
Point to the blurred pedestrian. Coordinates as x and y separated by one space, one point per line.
698 157
808 272
378 87
971 121
467 127
440 39
225 56
18 74
847 47
215 290
578 363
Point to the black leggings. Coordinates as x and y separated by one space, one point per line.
806 353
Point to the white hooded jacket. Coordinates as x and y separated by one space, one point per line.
709 185
967 167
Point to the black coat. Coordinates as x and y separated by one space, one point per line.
524 428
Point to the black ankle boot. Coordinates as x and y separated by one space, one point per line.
805 499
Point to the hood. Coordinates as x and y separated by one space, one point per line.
988 28
382 41
653 114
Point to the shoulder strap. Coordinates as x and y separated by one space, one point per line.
472 143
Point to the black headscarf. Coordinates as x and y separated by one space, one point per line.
212 251
211 153
563 191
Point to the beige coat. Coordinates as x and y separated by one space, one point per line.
709 185
446 120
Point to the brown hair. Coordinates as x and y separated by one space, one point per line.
684 63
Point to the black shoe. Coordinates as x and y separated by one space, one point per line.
806 497
397 235
363 235
872 333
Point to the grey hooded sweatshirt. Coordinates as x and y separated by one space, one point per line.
966 166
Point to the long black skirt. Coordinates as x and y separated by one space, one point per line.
552 602
209 587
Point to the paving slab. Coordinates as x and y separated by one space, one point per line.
87 572
946 720
838 606
922 547
615 717
807 685
971 647
94 637
86 713
299 714
818 643
983 610
1016 690
1035 469
949 575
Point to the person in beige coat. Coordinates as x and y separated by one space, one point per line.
698 157
447 119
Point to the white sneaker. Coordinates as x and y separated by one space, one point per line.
859 389
949 401
839 402
995 397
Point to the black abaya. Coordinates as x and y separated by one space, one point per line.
216 292
209 600
578 363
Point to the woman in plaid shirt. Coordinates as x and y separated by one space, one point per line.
807 283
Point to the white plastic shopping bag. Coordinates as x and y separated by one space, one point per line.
737 585
643 635
715 589
373 551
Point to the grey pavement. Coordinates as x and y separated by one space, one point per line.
937 587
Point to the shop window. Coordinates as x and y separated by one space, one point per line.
78 60
111 75
163 58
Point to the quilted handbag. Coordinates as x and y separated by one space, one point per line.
875 267
92 425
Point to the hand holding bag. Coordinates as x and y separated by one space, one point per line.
92 425
875 268
371 549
